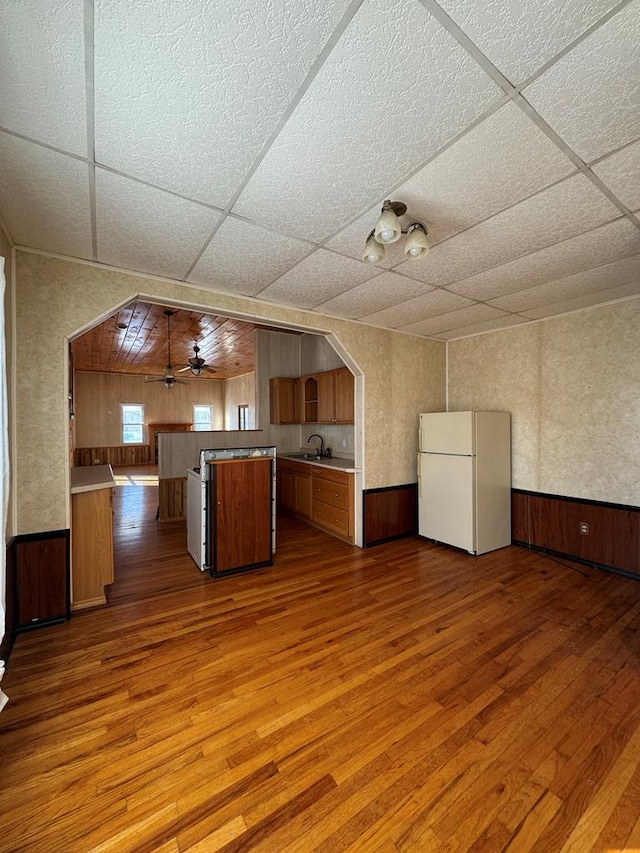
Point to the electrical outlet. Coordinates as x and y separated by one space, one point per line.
584 528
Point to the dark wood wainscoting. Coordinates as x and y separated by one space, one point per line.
135 454
38 583
389 513
601 534
172 498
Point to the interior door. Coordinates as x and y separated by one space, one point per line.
241 510
446 499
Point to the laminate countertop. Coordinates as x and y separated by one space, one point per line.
336 462
89 478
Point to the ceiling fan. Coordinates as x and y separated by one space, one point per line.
168 378
196 364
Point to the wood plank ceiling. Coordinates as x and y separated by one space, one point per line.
135 340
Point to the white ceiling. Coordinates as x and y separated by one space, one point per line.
247 146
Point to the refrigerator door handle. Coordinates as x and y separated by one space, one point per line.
419 475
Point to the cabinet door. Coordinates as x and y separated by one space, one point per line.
286 489
282 400
303 495
42 579
326 397
344 393
241 514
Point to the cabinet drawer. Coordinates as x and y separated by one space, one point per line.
335 494
331 517
330 475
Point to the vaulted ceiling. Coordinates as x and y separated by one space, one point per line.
247 146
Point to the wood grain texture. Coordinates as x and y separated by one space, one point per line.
402 699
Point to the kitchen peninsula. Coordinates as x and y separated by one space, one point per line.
91 535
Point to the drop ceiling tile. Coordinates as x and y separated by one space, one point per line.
376 108
419 308
590 96
554 214
505 322
377 293
614 240
520 37
621 173
44 198
501 161
147 230
243 258
623 292
188 93
42 69
580 284
316 279
469 316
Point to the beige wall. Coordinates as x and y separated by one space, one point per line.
98 397
57 299
237 392
5 252
572 385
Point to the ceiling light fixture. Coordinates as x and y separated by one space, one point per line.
389 230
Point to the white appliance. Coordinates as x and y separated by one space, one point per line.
196 517
464 479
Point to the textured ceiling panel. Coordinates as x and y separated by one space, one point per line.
600 298
614 240
188 93
243 258
375 108
44 198
590 96
621 173
454 320
374 295
316 279
621 272
141 228
42 93
568 208
520 37
429 305
504 159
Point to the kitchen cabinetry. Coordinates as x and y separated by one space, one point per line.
294 483
322 496
316 398
283 400
91 535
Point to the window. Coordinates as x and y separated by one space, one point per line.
132 423
243 416
203 418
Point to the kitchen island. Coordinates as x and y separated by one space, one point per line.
320 491
91 534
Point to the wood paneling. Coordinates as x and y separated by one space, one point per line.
554 523
154 429
11 614
131 454
172 493
226 344
41 578
91 547
390 513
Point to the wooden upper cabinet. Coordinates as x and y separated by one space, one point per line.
344 394
283 400
317 398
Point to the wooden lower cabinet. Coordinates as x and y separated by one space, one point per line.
322 496
91 547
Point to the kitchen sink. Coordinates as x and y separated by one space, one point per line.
302 455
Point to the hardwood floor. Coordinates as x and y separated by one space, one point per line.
404 698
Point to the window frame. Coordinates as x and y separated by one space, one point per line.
243 416
124 425
209 424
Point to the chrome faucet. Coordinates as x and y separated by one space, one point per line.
315 435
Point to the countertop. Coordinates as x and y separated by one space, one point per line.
336 462
89 478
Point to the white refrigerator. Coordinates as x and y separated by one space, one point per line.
464 479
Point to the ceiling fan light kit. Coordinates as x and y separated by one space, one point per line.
389 230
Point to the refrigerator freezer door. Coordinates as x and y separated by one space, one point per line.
447 432
446 499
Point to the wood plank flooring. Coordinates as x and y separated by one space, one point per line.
404 699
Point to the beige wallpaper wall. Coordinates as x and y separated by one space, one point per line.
572 385
5 252
57 299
